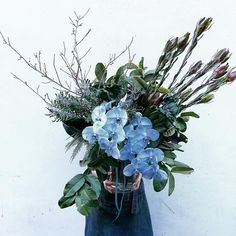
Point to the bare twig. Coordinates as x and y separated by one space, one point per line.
36 91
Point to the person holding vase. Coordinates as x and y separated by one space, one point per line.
105 220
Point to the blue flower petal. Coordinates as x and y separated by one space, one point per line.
117 116
129 170
149 172
116 132
153 134
89 135
141 121
99 115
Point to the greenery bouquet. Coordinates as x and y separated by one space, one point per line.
135 118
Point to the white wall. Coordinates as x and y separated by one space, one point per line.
34 166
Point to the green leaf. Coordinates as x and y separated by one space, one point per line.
169 154
169 132
140 82
181 124
185 118
100 71
74 185
159 185
180 164
102 170
137 72
89 155
171 183
86 199
168 161
66 201
189 113
94 182
169 146
182 170
122 69
140 64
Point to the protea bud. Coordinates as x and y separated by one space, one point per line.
203 25
194 68
171 44
222 55
183 41
231 75
220 71
154 98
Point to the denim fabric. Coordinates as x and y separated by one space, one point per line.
134 219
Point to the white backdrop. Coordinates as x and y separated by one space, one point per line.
33 164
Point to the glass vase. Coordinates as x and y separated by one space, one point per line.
123 183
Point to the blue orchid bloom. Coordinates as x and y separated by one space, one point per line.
152 171
129 152
117 116
136 165
143 135
140 121
146 163
110 147
116 132
99 117
91 136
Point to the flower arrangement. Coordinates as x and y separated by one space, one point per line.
136 116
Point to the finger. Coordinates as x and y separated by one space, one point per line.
108 182
110 189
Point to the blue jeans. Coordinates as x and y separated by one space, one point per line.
134 219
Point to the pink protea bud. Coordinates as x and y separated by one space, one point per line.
194 67
222 55
183 41
231 75
220 71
